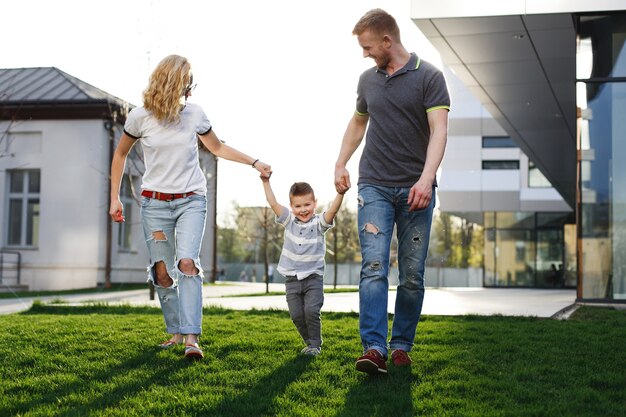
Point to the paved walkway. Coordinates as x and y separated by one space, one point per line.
438 301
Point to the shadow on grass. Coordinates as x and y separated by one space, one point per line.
68 399
384 395
39 307
258 400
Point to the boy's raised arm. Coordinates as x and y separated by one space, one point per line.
329 215
270 197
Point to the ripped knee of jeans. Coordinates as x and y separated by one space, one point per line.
190 268
159 275
371 228
375 265
159 235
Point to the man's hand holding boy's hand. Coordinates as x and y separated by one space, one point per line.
343 190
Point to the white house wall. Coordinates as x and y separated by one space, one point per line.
72 159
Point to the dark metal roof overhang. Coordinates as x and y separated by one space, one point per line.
51 94
523 70
61 111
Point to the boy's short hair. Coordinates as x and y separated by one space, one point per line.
300 188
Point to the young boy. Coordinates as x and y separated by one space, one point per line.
302 258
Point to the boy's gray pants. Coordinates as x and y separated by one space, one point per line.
305 299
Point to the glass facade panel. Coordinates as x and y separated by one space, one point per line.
555 220
550 258
490 219
607 34
602 145
501 164
498 142
618 191
515 220
527 250
489 257
515 262
569 244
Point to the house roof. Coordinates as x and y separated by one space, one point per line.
49 93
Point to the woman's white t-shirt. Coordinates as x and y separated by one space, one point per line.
170 150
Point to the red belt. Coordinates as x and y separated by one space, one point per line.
164 196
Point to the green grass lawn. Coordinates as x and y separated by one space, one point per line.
104 361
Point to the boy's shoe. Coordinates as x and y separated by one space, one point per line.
311 351
193 351
400 357
372 362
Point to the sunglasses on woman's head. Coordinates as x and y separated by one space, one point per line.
190 87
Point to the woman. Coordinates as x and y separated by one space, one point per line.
173 207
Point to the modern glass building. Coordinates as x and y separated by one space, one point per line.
552 74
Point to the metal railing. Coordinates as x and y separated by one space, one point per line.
10 267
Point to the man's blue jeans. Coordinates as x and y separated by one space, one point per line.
174 231
380 208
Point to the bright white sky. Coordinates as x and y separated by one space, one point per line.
277 78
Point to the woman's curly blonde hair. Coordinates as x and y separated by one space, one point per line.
166 86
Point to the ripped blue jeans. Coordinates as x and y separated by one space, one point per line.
380 208
174 231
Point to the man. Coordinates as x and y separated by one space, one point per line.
403 103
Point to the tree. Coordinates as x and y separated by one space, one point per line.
344 239
456 242
441 241
261 235
228 248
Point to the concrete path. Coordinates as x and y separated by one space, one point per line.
438 301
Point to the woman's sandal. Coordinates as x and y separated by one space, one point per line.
168 344
193 351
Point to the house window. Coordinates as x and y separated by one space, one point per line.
124 236
535 177
498 142
505 164
23 208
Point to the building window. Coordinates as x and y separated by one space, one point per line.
23 208
505 164
498 142
536 178
124 236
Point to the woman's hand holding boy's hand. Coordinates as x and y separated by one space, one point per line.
263 168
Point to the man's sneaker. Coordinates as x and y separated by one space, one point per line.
311 351
372 362
399 357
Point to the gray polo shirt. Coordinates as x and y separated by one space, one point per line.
398 132
304 246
